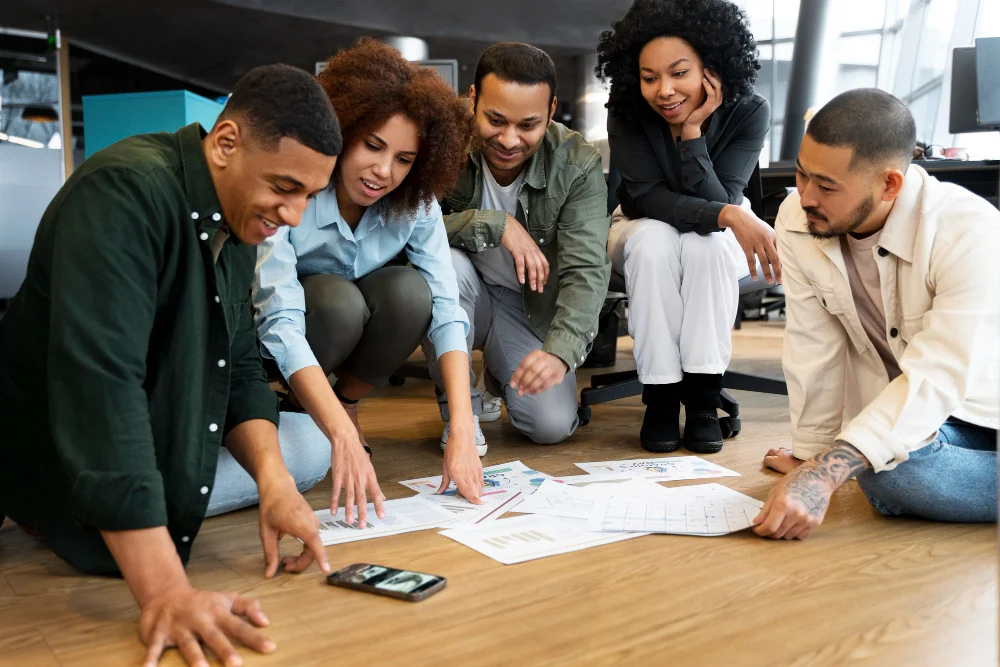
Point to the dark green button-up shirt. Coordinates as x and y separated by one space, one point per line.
128 353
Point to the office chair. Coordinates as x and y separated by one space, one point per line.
607 387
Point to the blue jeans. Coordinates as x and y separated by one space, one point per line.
307 456
954 478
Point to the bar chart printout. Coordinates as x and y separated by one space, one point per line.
531 536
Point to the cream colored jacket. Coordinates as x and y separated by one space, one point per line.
939 263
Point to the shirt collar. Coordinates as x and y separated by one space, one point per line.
900 231
328 213
206 210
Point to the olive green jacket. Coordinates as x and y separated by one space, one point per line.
563 205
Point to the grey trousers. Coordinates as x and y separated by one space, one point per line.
366 328
499 327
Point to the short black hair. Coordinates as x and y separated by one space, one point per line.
874 124
717 30
278 101
515 62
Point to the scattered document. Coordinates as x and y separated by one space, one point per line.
575 497
689 510
494 503
531 536
513 475
401 516
665 469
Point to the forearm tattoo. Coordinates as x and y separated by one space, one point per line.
813 478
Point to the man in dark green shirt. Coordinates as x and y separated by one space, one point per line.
129 355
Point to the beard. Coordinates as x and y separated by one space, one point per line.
855 219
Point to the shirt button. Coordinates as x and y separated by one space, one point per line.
222 363
213 427
194 215
204 236
894 332
217 299
185 539
882 252
216 216
204 490
541 240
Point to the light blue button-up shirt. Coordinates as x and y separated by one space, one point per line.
324 243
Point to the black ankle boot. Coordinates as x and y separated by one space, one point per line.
661 431
702 432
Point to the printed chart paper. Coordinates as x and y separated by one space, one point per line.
705 512
575 499
665 469
401 516
531 536
513 475
495 502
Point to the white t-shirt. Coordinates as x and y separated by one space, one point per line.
496 265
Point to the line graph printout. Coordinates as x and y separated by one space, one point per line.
401 516
694 513
664 469
574 499
495 502
531 536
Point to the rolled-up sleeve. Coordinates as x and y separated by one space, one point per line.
103 306
280 306
429 252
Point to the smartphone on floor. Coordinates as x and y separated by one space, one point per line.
381 580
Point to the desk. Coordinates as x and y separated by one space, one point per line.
981 177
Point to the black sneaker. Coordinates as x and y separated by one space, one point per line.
702 432
658 434
661 432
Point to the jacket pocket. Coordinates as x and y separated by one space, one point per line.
834 304
910 327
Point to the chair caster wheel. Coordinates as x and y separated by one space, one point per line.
583 413
396 380
730 427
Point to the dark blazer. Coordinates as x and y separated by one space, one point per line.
686 184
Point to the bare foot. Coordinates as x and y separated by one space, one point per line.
352 412
781 459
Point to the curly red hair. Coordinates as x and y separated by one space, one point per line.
371 82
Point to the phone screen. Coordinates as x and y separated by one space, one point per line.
387 580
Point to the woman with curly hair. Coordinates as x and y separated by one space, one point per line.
330 296
686 130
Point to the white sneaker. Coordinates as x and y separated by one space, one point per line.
480 438
492 405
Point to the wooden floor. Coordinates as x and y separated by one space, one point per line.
864 590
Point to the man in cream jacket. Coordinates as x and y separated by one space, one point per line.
891 280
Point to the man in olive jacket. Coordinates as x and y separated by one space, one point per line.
129 355
528 226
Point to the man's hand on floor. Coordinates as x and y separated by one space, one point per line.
781 459
283 511
797 504
186 617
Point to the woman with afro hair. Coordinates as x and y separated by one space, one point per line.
686 130
333 297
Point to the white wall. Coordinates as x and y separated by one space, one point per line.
29 178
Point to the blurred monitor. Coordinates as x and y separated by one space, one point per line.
963 116
988 81
446 69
